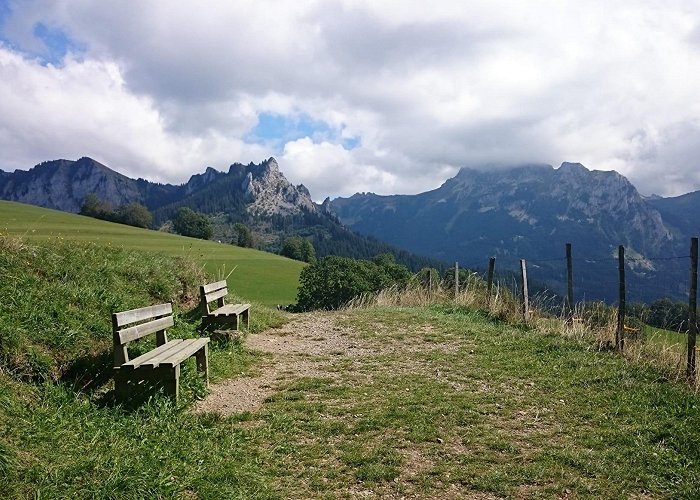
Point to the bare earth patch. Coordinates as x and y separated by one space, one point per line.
307 346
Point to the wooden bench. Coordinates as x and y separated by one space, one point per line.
228 315
161 366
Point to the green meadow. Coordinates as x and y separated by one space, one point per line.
434 401
252 275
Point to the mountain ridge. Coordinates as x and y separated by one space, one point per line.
527 211
257 195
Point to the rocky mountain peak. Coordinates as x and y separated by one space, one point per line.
198 181
271 193
271 164
327 207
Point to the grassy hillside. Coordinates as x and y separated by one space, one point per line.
437 401
430 402
257 276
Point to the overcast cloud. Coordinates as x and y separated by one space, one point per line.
382 96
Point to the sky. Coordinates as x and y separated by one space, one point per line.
353 96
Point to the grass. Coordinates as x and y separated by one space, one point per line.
259 276
432 401
447 403
58 296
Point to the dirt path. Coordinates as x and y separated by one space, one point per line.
304 347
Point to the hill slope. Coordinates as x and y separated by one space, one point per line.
258 276
257 195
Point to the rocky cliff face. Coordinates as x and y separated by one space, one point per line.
271 193
63 185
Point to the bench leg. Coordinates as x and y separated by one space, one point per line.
122 388
247 319
170 378
203 362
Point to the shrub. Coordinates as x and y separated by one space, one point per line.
332 282
134 214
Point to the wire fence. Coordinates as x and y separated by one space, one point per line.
642 305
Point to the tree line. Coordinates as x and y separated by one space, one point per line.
132 214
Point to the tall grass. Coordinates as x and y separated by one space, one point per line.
593 323
501 304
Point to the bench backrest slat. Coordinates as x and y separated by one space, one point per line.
128 317
211 292
161 316
216 295
138 331
214 286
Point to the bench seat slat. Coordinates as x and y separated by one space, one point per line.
138 331
144 358
214 286
230 309
177 354
181 355
127 317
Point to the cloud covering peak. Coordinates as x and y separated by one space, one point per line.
354 95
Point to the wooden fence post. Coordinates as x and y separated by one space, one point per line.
692 310
569 306
620 332
523 290
456 281
489 279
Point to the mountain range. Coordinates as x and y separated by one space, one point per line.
530 212
257 195
524 212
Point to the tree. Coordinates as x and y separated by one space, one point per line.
333 281
190 223
94 207
134 214
400 275
298 248
245 237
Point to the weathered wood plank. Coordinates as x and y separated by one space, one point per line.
178 354
214 286
137 362
138 331
230 309
128 317
209 297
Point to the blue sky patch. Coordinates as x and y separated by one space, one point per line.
351 143
277 130
57 43
4 11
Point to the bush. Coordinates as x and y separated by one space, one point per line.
245 237
131 214
190 223
332 282
134 214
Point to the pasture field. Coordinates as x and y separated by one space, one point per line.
433 401
430 402
259 276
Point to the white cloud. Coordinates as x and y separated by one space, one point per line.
165 88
